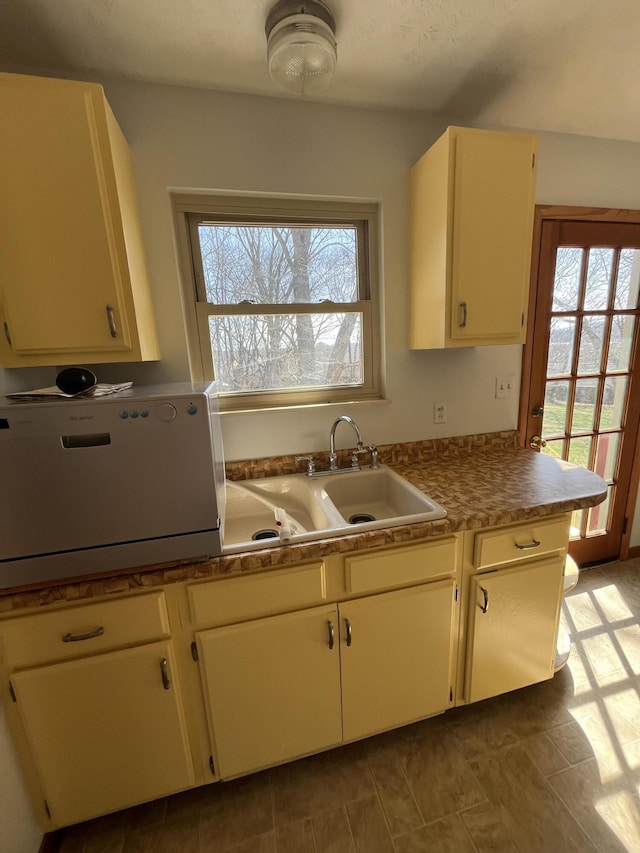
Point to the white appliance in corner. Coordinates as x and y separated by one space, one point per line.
94 485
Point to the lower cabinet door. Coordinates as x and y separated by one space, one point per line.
273 688
396 652
106 732
513 626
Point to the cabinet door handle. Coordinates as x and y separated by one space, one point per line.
111 319
463 313
529 546
485 605
7 334
164 671
76 638
347 625
332 634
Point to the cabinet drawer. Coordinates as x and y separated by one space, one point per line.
84 629
399 566
519 541
237 599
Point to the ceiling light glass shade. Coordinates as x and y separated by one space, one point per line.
301 54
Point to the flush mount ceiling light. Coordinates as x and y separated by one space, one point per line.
301 45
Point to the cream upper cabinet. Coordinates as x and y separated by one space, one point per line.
73 278
472 200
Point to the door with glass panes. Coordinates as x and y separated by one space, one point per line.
582 405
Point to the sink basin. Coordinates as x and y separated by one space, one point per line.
380 498
319 507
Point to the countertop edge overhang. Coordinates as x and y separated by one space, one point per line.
480 485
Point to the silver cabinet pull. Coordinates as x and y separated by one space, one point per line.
485 594
112 321
463 318
7 334
164 671
347 625
332 635
529 546
76 638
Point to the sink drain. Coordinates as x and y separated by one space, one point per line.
267 533
360 518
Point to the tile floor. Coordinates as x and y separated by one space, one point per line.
554 767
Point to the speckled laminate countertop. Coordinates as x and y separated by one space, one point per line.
481 480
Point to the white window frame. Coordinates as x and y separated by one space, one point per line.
191 210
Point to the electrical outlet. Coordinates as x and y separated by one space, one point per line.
439 413
504 386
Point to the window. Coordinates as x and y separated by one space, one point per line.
281 298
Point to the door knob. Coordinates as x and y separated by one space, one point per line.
537 443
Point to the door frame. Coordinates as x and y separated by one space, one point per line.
546 213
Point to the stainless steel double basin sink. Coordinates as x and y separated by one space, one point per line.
297 508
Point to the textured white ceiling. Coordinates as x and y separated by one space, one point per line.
561 65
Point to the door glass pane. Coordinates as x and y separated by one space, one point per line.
599 516
554 449
576 524
606 455
596 297
555 408
622 328
613 403
591 340
584 407
627 279
579 450
561 338
264 352
566 285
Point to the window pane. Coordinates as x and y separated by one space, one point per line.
566 285
278 265
622 328
591 340
576 524
584 407
260 352
606 455
596 297
615 389
579 449
561 339
555 408
627 280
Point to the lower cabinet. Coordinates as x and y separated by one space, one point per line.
105 731
272 688
286 686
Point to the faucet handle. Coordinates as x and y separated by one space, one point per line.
374 456
311 465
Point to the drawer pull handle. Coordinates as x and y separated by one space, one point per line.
332 635
533 544
347 625
463 319
111 319
164 671
76 638
485 594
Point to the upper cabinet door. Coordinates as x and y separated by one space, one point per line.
471 221
72 271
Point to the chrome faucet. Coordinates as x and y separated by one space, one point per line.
333 456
